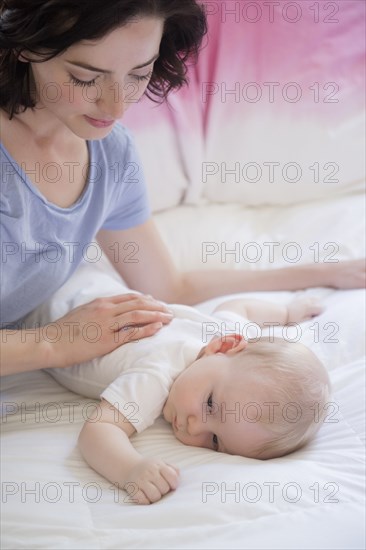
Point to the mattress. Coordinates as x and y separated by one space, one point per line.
311 499
315 497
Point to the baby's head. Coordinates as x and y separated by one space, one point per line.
260 399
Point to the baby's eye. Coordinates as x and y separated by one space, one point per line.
209 401
215 443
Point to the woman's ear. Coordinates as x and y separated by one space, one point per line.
229 344
25 56
20 57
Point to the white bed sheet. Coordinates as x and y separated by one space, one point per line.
222 501
52 499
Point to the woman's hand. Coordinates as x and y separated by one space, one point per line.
345 274
100 326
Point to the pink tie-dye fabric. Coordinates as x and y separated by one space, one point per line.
273 78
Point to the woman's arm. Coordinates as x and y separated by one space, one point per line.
86 332
266 313
143 261
23 350
106 447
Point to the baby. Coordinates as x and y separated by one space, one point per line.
260 398
218 385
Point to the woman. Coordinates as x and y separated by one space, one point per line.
69 70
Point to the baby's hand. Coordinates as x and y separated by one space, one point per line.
150 480
302 309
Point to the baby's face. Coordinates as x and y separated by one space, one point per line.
208 407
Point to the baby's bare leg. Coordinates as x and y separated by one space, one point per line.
263 312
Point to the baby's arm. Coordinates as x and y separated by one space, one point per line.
264 313
106 447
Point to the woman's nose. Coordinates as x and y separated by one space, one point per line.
112 101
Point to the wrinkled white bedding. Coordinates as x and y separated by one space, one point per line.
313 498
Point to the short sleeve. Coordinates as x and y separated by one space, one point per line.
140 394
129 205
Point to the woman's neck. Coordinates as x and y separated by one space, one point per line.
44 128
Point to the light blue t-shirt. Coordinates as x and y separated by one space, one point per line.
42 243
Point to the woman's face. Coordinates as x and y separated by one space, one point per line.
92 83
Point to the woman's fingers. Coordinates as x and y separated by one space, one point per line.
130 302
120 298
140 318
128 316
131 333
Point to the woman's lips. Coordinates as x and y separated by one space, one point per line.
99 123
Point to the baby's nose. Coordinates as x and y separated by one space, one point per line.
193 425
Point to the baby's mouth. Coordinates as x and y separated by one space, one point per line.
174 424
178 428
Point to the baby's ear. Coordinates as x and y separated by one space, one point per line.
229 343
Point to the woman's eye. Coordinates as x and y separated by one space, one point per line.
78 82
144 77
215 442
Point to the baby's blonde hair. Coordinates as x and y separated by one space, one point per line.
294 378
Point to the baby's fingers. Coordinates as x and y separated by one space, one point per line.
171 475
136 494
312 307
302 309
154 489
149 491
167 480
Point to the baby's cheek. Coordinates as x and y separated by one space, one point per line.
176 392
166 411
184 438
192 441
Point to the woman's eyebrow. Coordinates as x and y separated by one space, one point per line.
147 62
104 71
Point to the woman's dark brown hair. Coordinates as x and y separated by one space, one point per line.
49 27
